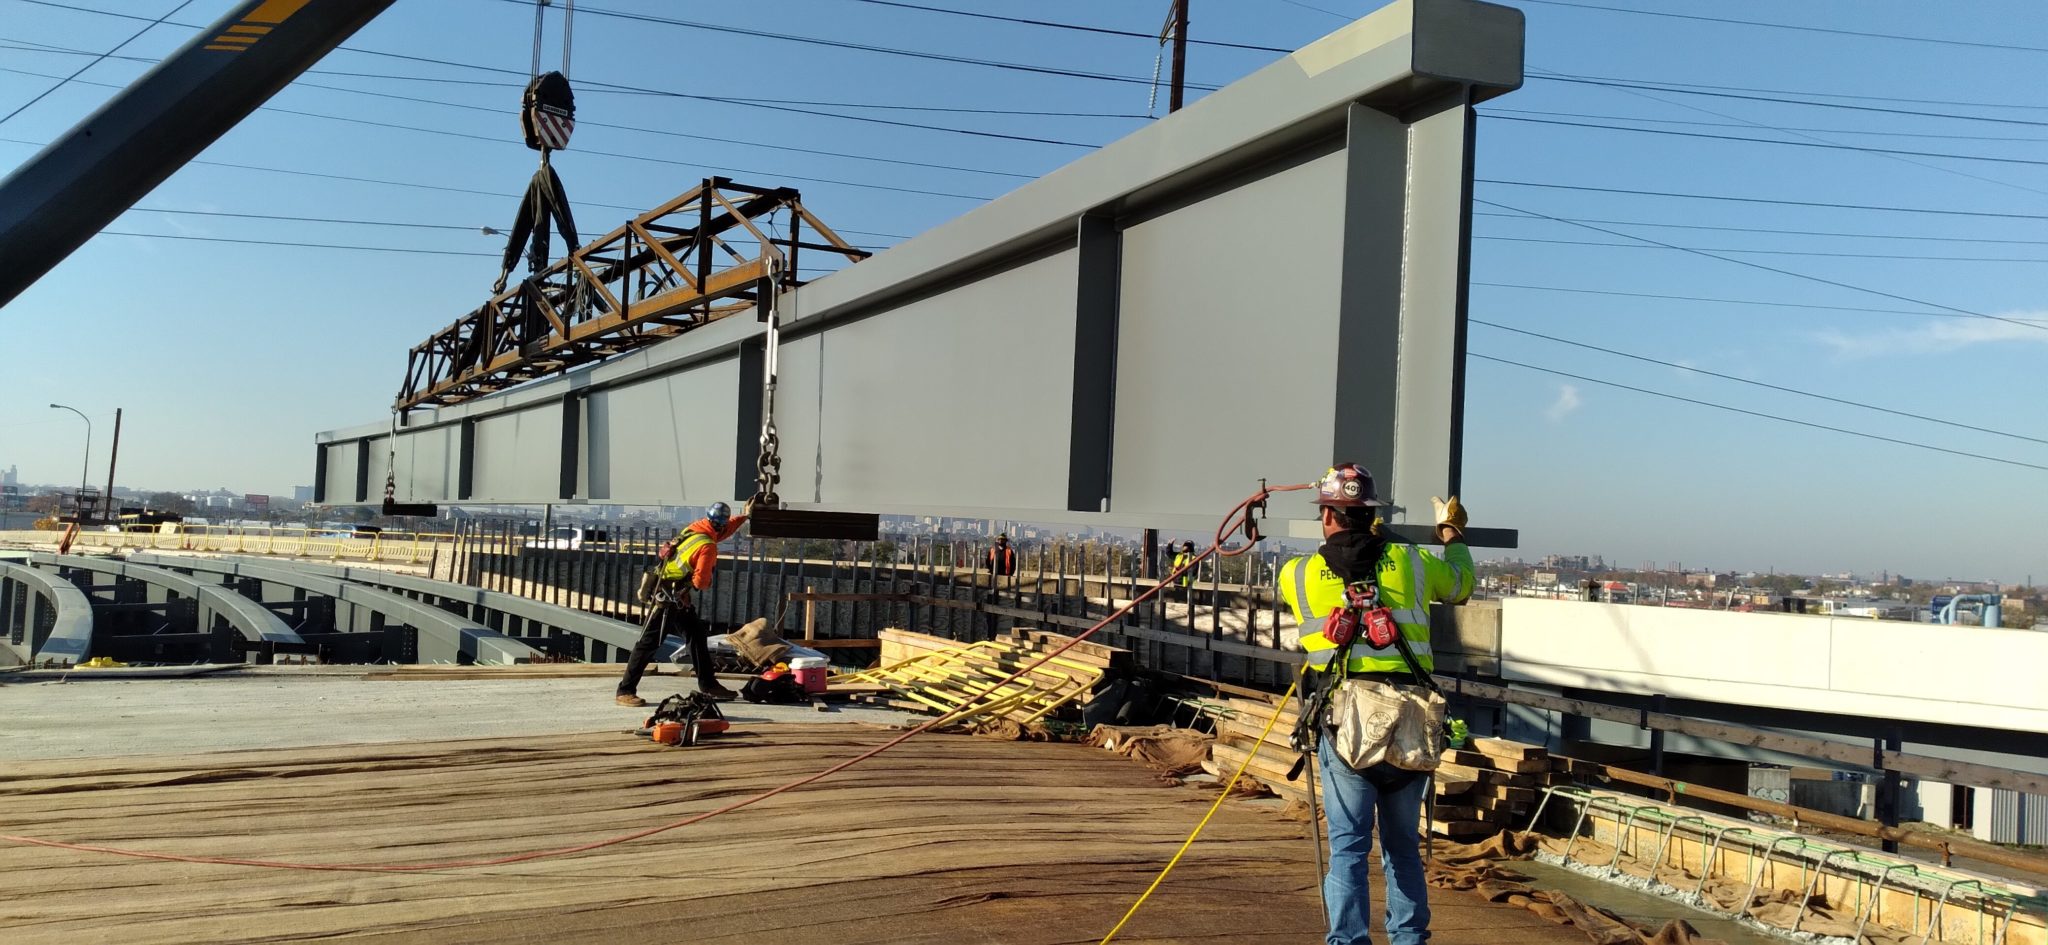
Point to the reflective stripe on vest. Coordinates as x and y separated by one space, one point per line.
680 566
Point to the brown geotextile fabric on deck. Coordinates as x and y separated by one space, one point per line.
757 645
1476 867
1163 748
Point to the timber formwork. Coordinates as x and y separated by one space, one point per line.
712 251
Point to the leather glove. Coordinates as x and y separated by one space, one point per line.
1450 518
748 508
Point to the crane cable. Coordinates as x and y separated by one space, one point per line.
1240 516
568 34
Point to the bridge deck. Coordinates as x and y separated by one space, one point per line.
947 839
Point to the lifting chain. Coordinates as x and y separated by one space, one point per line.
768 467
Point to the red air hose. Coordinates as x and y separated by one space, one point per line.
1231 523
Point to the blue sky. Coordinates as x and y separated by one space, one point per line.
228 356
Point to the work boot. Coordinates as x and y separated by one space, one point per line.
717 691
629 699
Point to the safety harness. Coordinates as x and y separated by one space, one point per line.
1362 617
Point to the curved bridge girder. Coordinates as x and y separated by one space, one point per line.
615 633
70 636
246 616
443 636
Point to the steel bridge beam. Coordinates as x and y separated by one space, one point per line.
1265 281
478 602
443 636
37 598
247 617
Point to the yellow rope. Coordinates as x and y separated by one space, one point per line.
1190 841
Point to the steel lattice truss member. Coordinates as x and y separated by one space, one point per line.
686 263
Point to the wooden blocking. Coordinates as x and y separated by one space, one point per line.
1269 765
1511 751
1481 775
1087 651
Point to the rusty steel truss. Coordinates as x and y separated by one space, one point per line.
690 261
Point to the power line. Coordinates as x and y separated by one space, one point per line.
1076 27
1728 198
296 219
1756 252
1804 29
1310 6
30 46
349 246
1680 90
593 85
276 109
1822 145
864 47
1758 414
1722 301
1753 383
95 61
1758 229
638 157
1937 168
1894 99
585 123
1755 265
1493 111
411 184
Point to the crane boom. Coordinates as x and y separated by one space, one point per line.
96 171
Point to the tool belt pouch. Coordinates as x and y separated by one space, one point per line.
1375 723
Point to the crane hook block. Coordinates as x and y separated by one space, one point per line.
548 114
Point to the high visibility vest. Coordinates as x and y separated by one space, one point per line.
1409 580
1187 578
680 567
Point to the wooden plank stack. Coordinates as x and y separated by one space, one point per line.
1238 724
1019 649
1490 785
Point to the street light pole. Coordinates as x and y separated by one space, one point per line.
84 465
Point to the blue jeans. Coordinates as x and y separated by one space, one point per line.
1353 802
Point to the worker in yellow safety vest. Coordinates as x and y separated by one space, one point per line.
1408 579
687 564
1185 559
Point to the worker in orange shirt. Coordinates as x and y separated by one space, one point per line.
688 563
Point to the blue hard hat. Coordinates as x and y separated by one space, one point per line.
719 513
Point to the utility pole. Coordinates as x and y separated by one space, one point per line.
1180 54
111 458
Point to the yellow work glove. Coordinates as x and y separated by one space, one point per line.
1450 515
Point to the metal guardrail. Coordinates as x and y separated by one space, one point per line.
407 547
455 637
246 616
70 637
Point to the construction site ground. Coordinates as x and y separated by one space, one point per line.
947 839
